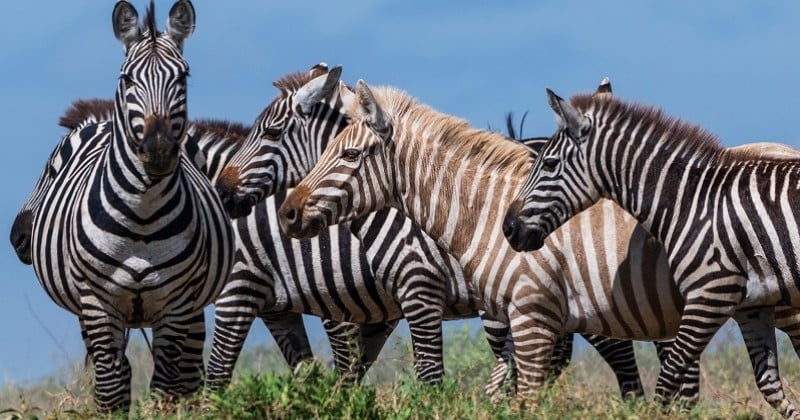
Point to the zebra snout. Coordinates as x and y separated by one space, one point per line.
21 236
158 150
520 236
293 219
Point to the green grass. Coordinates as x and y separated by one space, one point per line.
264 388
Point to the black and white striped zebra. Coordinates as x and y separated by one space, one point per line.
725 218
132 234
287 140
214 137
217 141
371 281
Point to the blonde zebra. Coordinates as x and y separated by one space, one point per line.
600 273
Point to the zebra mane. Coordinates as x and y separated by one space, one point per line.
149 22
86 111
696 140
492 149
294 81
233 131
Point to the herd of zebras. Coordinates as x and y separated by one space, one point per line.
142 218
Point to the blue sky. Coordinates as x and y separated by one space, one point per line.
731 66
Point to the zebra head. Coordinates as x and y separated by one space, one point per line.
286 140
559 185
151 94
23 224
353 176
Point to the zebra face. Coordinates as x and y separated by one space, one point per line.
286 141
352 178
151 94
557 187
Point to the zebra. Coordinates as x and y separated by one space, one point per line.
375 265
217 140
734 246
589 277
287 329
286 141
132 234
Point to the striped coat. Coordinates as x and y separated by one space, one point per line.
724 216
600 273
131 233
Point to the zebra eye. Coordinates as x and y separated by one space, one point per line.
126 78
550 163
351 155
271 133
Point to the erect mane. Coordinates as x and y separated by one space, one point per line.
149 23
695 140
86 111
491 149
233 131
294 81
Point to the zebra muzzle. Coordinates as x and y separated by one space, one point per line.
521 236
21 236
158 150
294 221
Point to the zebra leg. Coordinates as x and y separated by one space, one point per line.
169 337
230 331
498 334
191 361
534 340
788 320
701 319
355 347
346 346
235 309
758 331
104 339
620 356
289 332
424 316
562 352
373 338
690 387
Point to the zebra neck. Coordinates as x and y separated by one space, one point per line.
459 199
123 176
651 179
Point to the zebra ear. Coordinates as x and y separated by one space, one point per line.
126 23
317 89
318 69
371 112
348 97
604 89
577 125
181 21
